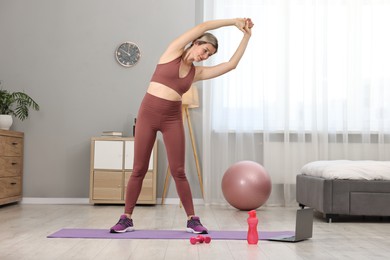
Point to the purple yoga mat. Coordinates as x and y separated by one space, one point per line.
160 234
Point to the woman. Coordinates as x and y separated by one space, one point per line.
161 111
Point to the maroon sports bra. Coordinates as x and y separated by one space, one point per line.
168 75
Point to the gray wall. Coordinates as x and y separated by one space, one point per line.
62 54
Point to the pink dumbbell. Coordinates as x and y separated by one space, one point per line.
207 239
200 239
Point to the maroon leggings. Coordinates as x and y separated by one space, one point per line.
157 114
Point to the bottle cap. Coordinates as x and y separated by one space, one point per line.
252 213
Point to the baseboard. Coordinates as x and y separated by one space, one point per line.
176 201
33 200
55 200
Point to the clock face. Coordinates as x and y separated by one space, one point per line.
127 54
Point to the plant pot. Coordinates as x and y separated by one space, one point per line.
5 122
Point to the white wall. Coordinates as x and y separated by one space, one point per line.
62 54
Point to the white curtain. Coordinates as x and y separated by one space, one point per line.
314 84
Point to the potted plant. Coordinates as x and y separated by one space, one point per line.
14 104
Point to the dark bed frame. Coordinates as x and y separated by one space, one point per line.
344 197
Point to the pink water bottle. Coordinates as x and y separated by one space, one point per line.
253 236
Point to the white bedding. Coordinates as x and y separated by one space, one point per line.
345 169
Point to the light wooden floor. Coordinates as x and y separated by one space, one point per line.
23 231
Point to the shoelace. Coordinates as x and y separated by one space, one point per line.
195 222
125 222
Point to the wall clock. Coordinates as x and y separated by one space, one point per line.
127 54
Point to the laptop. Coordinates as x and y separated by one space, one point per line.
303 227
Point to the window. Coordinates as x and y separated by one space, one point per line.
309 65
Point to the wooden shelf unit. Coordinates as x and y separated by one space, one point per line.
111 167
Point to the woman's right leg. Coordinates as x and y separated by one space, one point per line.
143 146
146 130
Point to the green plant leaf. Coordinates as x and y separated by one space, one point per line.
16 104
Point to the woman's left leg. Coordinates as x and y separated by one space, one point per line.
174 140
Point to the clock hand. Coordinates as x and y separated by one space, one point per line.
126 52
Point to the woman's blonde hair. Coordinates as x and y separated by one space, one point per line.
207 38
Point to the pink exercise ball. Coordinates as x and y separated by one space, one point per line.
246 185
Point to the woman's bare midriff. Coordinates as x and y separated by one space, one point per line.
162 91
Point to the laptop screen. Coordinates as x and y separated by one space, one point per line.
304 223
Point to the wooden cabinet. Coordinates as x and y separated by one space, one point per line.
11 166
111 167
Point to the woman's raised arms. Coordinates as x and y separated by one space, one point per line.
177 46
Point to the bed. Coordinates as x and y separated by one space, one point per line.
343 187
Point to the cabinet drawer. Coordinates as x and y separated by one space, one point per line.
10 166
107 185
10 187
11 146
147 191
